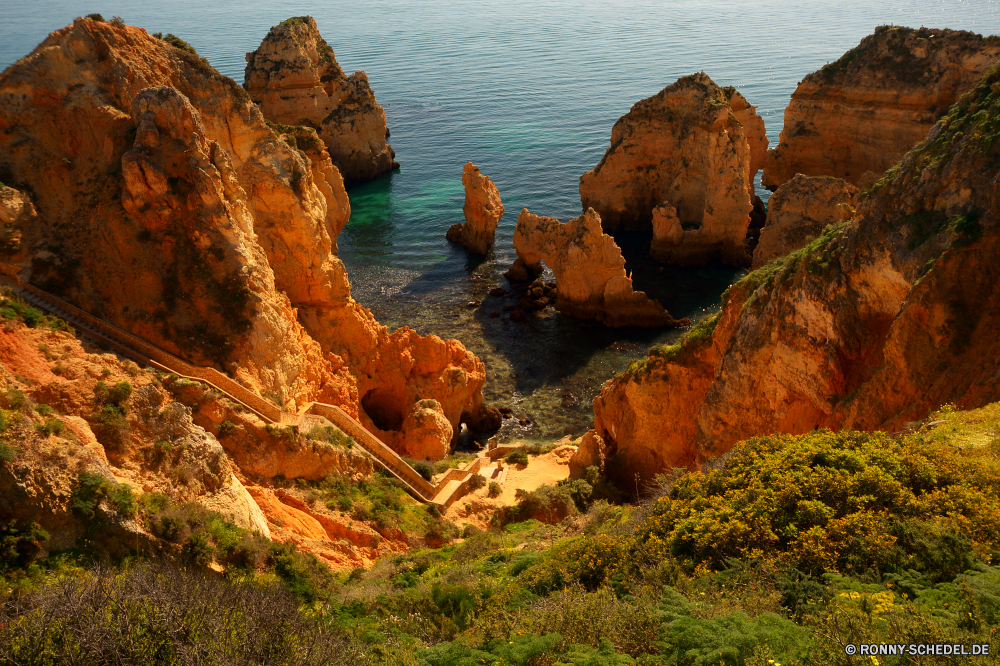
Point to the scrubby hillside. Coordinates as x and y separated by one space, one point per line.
788 549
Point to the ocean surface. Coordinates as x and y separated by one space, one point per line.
529 91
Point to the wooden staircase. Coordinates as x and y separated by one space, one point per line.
443 494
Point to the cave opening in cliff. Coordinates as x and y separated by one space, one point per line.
384 408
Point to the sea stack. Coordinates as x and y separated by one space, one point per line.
295 79
589 270
482 211
858 116
689 152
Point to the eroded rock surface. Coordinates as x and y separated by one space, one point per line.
856 117
169 207
799 211
693 148
294 77
883 320
482 210
589 269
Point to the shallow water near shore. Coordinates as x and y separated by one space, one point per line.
529 91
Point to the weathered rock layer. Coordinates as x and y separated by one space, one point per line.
879 322
856 117
683 163
482 210
294 77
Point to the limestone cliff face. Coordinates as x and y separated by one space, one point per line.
589 269
296 80
856 117
694 148
799 211
482 210
880 321
169 207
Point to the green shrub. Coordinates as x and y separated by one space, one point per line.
7 452
852 502
14 399
43 410
119 393
20 545
690 641
96 17
518 456
110 425
226 428
330 435
93 488
423 469
50 427
117 21
495 489
477 481
520 651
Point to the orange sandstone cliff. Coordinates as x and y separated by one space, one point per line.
799 211
682 163
856 117
589 270
874 324
482 211
167 206
295 79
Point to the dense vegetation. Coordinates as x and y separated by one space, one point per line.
784 552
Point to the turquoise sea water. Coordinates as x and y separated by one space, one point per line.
529 92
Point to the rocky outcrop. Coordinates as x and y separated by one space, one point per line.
296 80
482 210
590 452
429 433
682 163
16 213
799 211
879 322
856 117
169 207
589 270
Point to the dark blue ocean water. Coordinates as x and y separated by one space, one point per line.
528 90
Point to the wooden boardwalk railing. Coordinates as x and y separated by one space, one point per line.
141 350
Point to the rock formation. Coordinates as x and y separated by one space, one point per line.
482 210
590 452
295 79
589 269
691 153
167 206
16 213
799 211
879 322
856 117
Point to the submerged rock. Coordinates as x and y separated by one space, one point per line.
856 117
589 269
799 211
691 153
482 210
295 79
